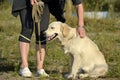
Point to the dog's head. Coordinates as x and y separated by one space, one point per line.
57 30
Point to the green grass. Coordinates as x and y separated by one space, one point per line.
105 33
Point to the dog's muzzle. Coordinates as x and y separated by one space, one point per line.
49 38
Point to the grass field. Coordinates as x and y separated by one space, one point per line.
105 33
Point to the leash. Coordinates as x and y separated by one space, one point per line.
37 11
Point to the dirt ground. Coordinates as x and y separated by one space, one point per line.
15 76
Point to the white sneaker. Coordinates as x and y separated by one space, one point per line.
42 72
25 72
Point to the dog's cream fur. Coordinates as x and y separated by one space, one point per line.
87 60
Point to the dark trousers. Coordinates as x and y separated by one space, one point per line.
28 26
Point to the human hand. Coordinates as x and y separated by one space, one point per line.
81 31
34 2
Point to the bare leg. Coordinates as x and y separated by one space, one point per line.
24 49
40 62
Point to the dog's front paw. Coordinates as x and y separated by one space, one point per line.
83 75
68 76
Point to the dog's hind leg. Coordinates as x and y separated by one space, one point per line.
99 71
86 70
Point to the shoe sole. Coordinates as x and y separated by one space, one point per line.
28 76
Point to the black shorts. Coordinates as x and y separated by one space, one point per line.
28 26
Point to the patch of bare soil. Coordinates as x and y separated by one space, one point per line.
15 76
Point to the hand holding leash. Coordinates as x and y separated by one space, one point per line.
34 2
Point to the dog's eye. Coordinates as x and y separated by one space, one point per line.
52 27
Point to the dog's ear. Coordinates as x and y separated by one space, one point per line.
65 29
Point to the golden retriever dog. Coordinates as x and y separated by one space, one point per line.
86 58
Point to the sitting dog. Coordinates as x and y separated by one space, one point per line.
87 59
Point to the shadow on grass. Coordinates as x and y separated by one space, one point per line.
5 65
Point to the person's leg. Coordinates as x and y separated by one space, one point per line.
40 55
24 48
24 40
43 26
25 35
